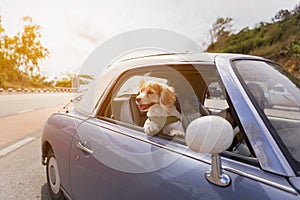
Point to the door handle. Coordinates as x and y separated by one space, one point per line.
81 146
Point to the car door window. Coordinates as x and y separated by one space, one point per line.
196 88
121 105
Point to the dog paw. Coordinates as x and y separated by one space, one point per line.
151 128
178 133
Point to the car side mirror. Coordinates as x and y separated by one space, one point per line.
211 135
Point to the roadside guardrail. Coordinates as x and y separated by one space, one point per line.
37 90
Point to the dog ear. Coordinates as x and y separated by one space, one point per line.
167 97
142 83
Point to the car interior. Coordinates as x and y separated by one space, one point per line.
193 100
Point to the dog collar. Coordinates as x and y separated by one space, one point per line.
163 121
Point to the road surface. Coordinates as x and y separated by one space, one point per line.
18 103
22 175
22 117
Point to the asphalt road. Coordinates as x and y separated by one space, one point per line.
22 117
19 103
22 175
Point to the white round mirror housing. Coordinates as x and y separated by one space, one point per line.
209 134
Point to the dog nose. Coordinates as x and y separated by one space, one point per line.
137 99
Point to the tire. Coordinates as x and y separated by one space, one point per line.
53 178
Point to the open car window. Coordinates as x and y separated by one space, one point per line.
122 106
198 92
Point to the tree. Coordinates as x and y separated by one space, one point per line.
64 82
2 60
20 54
220 29
282 15
278 40
7 64
29 50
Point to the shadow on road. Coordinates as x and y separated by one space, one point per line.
45 195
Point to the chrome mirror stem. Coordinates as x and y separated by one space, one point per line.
216 175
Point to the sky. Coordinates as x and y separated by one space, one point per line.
72 29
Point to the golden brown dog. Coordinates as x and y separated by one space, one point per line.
157 100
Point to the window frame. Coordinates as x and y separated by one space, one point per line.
143 69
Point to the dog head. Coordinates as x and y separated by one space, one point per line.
154 93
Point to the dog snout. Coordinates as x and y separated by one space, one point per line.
138 99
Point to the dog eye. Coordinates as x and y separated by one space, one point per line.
150 92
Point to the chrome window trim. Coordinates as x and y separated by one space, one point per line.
262 180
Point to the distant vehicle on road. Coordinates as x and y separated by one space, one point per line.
214 91
279 95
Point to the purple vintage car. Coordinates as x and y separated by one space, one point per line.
238 144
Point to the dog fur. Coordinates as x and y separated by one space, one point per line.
158 101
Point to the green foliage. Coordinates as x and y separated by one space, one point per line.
295 48
20 56
279 40
220 29
28 50
64 82
282 15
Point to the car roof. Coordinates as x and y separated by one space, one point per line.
186 56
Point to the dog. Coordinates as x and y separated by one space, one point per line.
157 100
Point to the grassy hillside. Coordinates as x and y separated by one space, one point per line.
278 41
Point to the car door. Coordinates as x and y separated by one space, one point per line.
112 157
128 166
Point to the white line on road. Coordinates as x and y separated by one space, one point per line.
15 146
24 111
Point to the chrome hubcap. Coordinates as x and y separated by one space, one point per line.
53 174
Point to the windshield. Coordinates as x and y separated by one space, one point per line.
276 96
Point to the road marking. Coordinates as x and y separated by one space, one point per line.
24 111
16 146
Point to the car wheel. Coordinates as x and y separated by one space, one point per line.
53 178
